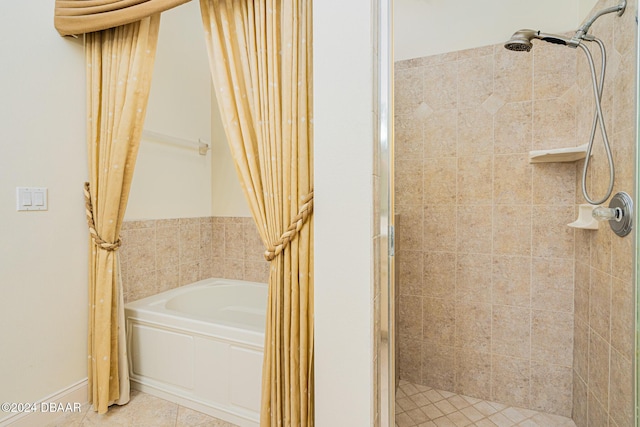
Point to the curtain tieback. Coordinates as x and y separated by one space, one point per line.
296 225
99 241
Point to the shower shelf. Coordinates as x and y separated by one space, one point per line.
570 154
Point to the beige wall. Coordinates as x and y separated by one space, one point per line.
43 255
604 302
163 254
173 181
423 28
499 299
486 259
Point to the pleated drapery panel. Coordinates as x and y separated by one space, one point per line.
260 58
73 17
119 68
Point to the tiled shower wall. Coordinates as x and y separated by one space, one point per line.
604 304
486 261
158 255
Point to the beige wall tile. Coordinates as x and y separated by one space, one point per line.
512 179
622 257
597 412
554 184
473 326
598 367
410 228
189 272
410 360
189 241
552 337
513 75
475 132
473 373
513 129
600 303
554 71
440 86
475 82
622 318
580 399
621 405
475 180
408 138
233 269
410 317
601 248
582 285
409 265
581 349
511 331
439 177
510 381
473 229
256 271
552 284
408 88
554 124
439 278
473 278
233 240
441 134
438 367
511 281
512 230
438 321
408 182
439 228
551 236
551 388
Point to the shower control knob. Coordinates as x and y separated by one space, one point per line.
619 214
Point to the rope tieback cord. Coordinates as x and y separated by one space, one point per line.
99 241
296 225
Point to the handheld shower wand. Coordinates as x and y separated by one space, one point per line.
521 41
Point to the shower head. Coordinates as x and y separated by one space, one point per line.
521 40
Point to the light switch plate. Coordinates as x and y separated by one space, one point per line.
31 198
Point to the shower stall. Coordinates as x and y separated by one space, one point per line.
503 309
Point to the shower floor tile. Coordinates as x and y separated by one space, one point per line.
422 406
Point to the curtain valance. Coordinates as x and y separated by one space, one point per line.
85 16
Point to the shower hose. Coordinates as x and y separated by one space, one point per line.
597 118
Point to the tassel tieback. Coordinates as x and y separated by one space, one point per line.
99 241
296 225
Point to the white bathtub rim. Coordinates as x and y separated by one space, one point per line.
162 297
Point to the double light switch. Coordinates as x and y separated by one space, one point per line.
31 198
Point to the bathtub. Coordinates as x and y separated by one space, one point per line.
201 346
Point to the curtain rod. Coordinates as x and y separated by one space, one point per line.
203 147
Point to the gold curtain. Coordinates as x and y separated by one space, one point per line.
260 58
119 68
84 16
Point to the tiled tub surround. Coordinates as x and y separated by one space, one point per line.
158 255
487 265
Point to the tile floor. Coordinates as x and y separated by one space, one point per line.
143 410
421 406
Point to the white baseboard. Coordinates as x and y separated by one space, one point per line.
74 394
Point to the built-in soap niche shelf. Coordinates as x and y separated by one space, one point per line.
557 155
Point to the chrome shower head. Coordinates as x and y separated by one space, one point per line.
521 40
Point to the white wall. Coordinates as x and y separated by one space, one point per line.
343 211
429 27
43 255
227 197
172 181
